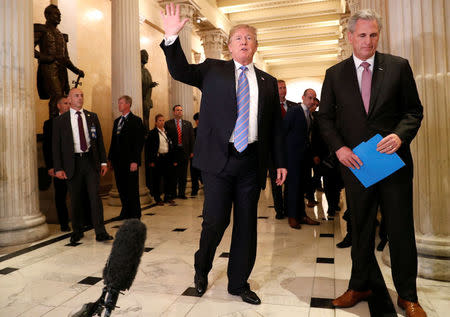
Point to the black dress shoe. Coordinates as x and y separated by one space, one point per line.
345 243
65 228
201 284
279 215
249 296
194 194
382 244
118 218
182 197
103 237
76 236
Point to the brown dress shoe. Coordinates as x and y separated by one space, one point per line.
412 309
350 298
308 221
294 223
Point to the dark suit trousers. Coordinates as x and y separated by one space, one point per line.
181 172
195 178
85 177
60 187
162 178
294 193
394 195
128 186
237 185
332 188
277 192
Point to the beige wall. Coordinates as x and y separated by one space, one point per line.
90 50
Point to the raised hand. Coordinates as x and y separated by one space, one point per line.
172 24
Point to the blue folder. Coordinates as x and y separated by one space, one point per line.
376 165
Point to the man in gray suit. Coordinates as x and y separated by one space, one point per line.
79 156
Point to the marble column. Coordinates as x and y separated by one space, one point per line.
20 218
213 42
344 45
182 94
126 72
380 6
419 31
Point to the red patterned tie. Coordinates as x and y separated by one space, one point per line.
83 144
179 132
283 111
366 84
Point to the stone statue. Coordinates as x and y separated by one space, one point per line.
52 79
147 87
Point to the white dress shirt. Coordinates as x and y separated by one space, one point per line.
75 132
163 142
253 113
360 69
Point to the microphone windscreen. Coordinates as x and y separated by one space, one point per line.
121 267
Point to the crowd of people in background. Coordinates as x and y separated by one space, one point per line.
239 139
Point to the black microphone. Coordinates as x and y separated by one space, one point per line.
121 267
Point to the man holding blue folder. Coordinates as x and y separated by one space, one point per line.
367 94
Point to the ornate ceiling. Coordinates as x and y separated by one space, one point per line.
297 38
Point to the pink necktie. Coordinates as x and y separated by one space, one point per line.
366 84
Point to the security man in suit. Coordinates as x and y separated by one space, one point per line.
366 94
124 157
278 200
79 157
160 159
241 124
181 133
59 186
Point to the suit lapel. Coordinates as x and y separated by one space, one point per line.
230 73
261 83
68 123
350 70
377 80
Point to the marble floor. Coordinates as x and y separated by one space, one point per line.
297 272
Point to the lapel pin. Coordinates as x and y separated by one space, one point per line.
379 68
262 78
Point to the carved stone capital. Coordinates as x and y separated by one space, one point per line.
213 42
187 10
354 5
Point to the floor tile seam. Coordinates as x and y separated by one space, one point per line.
40 304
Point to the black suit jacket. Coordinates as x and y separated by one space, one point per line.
218 110
187 136
126 147
295 129
47 143
63 147
394 107
290 104
152 147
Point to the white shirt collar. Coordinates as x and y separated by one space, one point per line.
73 111
250 66
370 60
305 108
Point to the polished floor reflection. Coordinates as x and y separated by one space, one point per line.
297 272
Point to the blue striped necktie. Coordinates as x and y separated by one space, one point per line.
243 107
